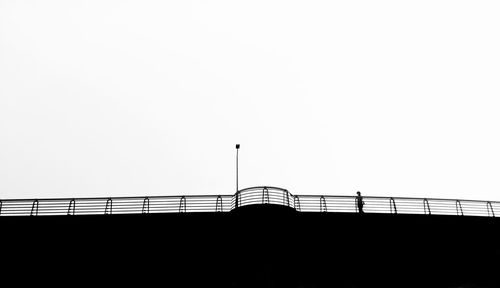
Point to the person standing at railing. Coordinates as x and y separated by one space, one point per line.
359 202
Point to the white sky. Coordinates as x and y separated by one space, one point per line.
109 98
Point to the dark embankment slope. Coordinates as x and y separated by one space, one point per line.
254 246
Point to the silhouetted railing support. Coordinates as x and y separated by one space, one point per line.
287 198
236 199
428 210
218 204
71 207
108 210
322 204
1 204
296 203
265 195
182 205
458 205
489 207
34 208
392 205
145 206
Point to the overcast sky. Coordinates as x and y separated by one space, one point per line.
114 97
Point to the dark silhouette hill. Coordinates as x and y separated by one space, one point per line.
252 246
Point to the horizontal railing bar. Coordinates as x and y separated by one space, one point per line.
114 198
395 198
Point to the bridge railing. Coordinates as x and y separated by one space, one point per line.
398 205
262 195
116 205
248 196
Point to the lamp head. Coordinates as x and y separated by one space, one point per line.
237 146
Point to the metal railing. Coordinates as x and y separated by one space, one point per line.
248 196
262 195
116 205
399 205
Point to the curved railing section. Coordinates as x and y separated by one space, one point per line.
262 195
249 196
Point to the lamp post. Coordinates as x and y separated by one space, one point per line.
237 196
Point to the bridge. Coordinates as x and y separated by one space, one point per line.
259 237
245 197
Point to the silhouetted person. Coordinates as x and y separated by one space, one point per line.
359 202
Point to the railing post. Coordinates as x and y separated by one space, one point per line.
182 205
265 195
322 204
1 204
71 204
145 206
287 197
296 203
237 198
218 204
108 210
488 207
459 205
426 202
392 205
34 208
